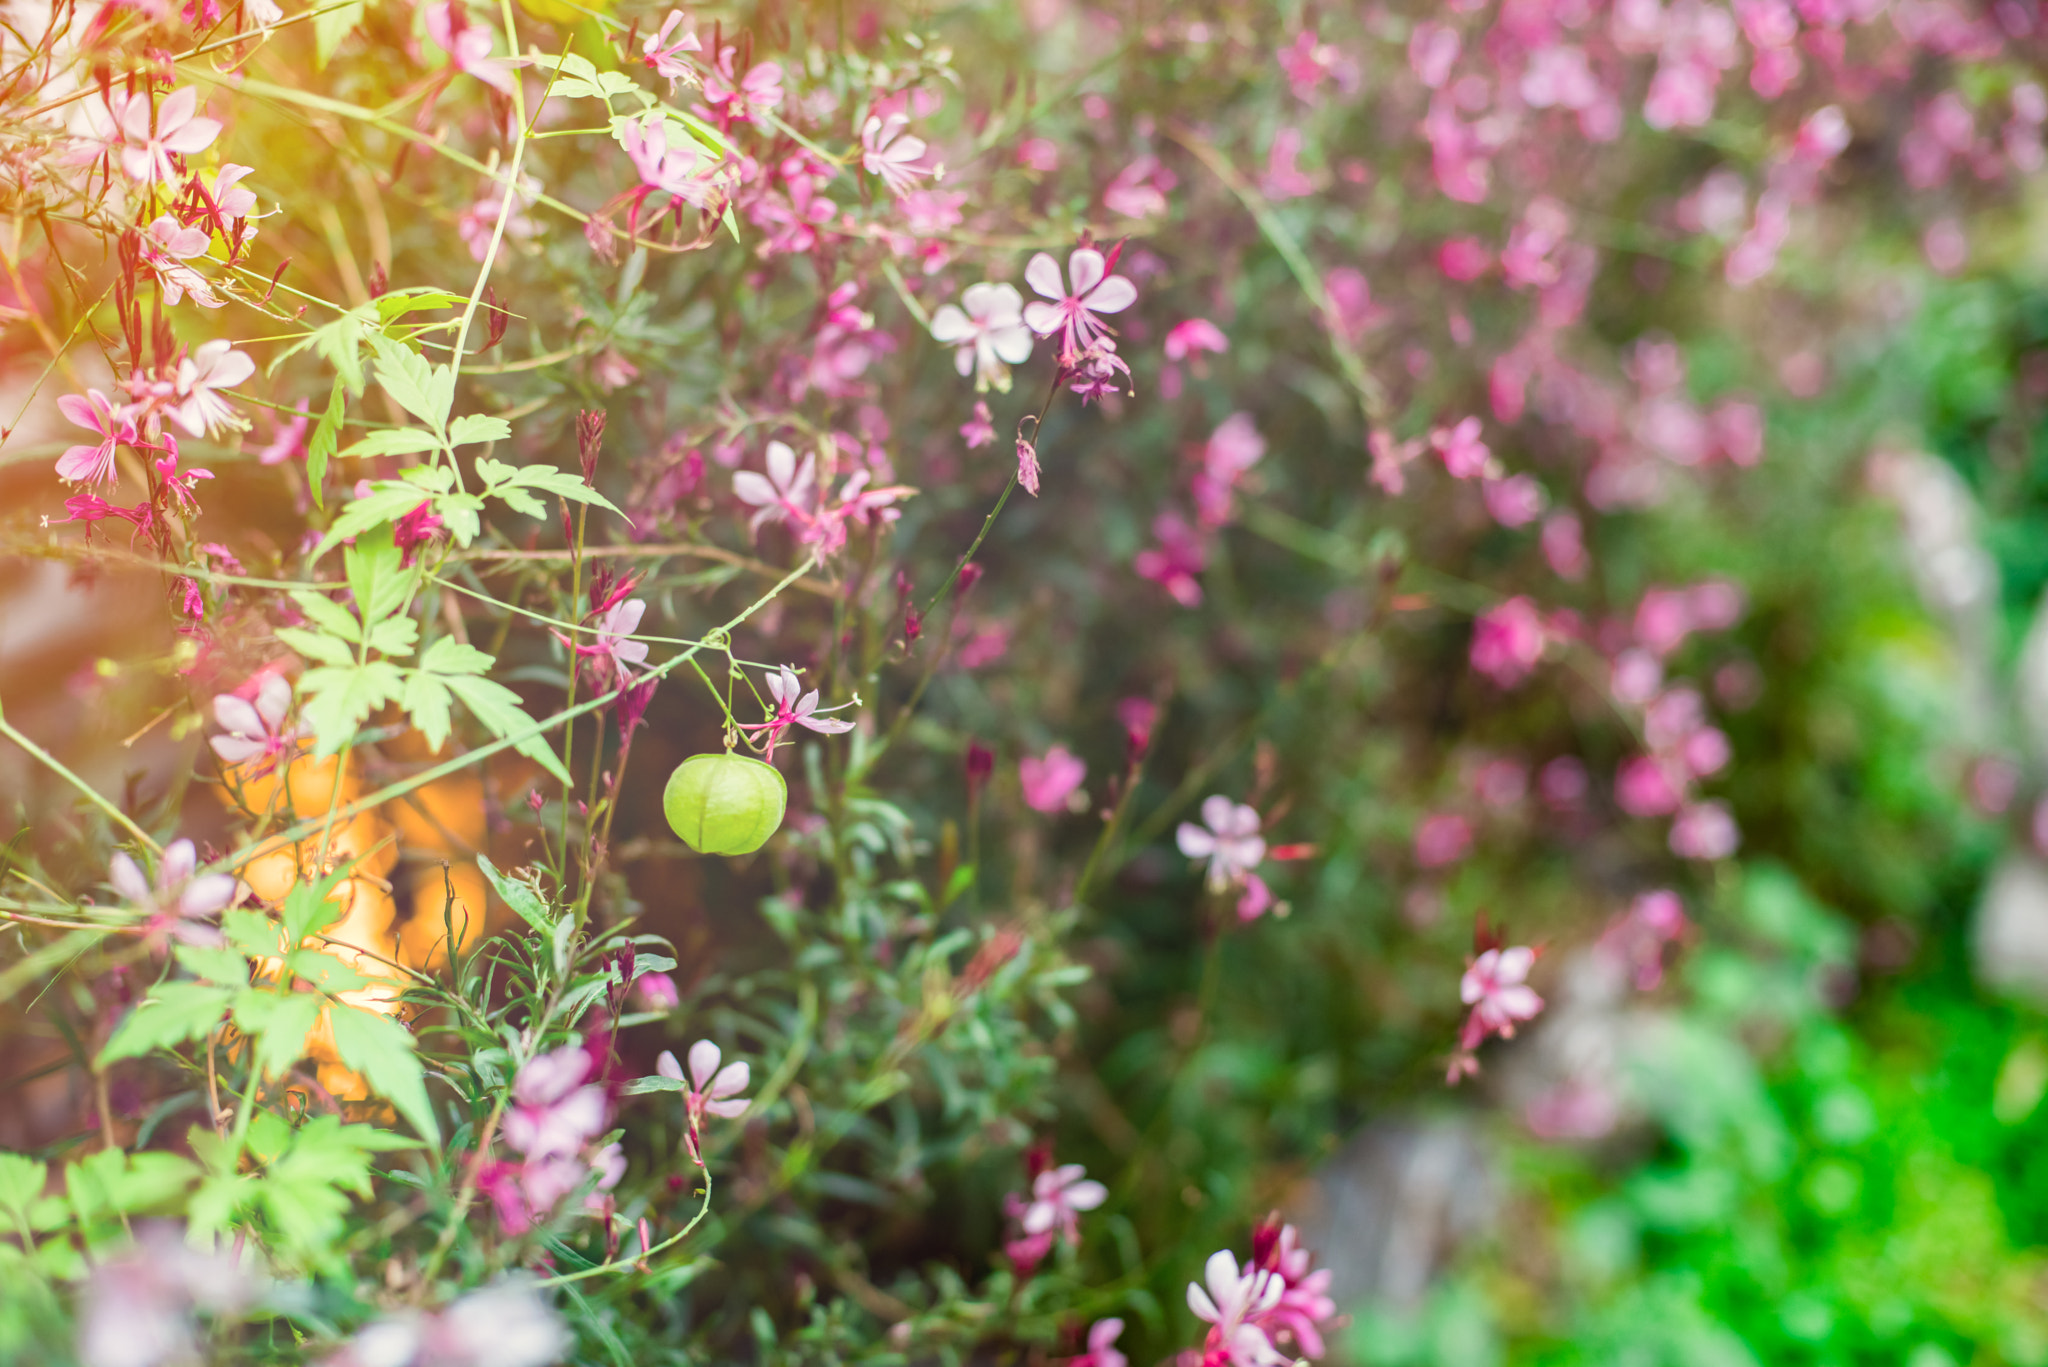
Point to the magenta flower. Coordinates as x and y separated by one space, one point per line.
1232 450
1496 988
213 366
1515 501
987 329
1050 780
181 903
96 413
657 991
980 429
665 56
1073 314
1228 838
1176 560
558 1109
1231 1301
468 44
1508 641
1102 1336
892 154
256 736
1058 1196
711 1090
1442 838
415 530
787 488
1465 455
1305 1304
1190 338
683 170
794 710
741 99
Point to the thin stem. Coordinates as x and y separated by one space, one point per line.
93 794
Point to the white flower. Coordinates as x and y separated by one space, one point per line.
180 902
787 488
1232 843
1231 1299
215 365
1073 315
987 326
1057 1198
711 1090
887 151
255 729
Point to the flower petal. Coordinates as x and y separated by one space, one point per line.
1113 295
1042 273
126 876
667 1066
1085 269
703 1062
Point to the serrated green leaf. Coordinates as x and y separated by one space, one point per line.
395 441
326 973
21 1185
316 646
450 656
330 616
475 427
253 933
429 704
309 906
387 501
330 26
519 896
338 344
426 391
498 708
171 1014
395 635
338 700
376 574
321 446
277 1024
382 1050
213 964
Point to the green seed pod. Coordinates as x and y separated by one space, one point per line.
724 804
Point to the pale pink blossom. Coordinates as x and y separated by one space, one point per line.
1564 545
1433 50
1102 1352
197 407
1176 560
1706 831
1515 501
743 98
1228 839
1647 786
1305 1305
711 1090
146 146
94 464
256 737
1496 988
794 707
1464 454
1140 189
1058 1197
1192 337
787 489
1442 839
1284 178
892 154
1074 315
1232 450
979 429
1308 62
1229 1303
165 248
683 170
183 903
987 330
1050 780
467 43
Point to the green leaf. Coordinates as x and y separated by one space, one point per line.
338 343
428 703
395 635
338 700
382 1050
253 933
173 1013
450 656
423 390
330 26
512 483
640 1086
394 304
497 707
320 447
309 908
395 441
21 1184
330 616
519 896
277 1024
313 645
223 967
475 427
377 576
325 972
387 501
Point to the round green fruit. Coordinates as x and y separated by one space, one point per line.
724 804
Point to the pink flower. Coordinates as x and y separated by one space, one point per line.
1234 448
1140 189
199 410
987 329
1646 786
257 737
288 436
1192 337
794 707
1027 466
1496 988
1058 1196
1102 1352
932 211
415 530
657 991
1515 501
711 1090
1508 641
891 154
1232 1300
1308 62
1039 154
181 902
468 44
1074 315
1432 51
787 488
1175 562
980 429
614 646
1049 781
1231 841
96 413
1464 454
741 99
146 154
1635 941
1442 838
684 170
1463 258
1705 830
666 57
1305 1305
1564 545
1283 178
